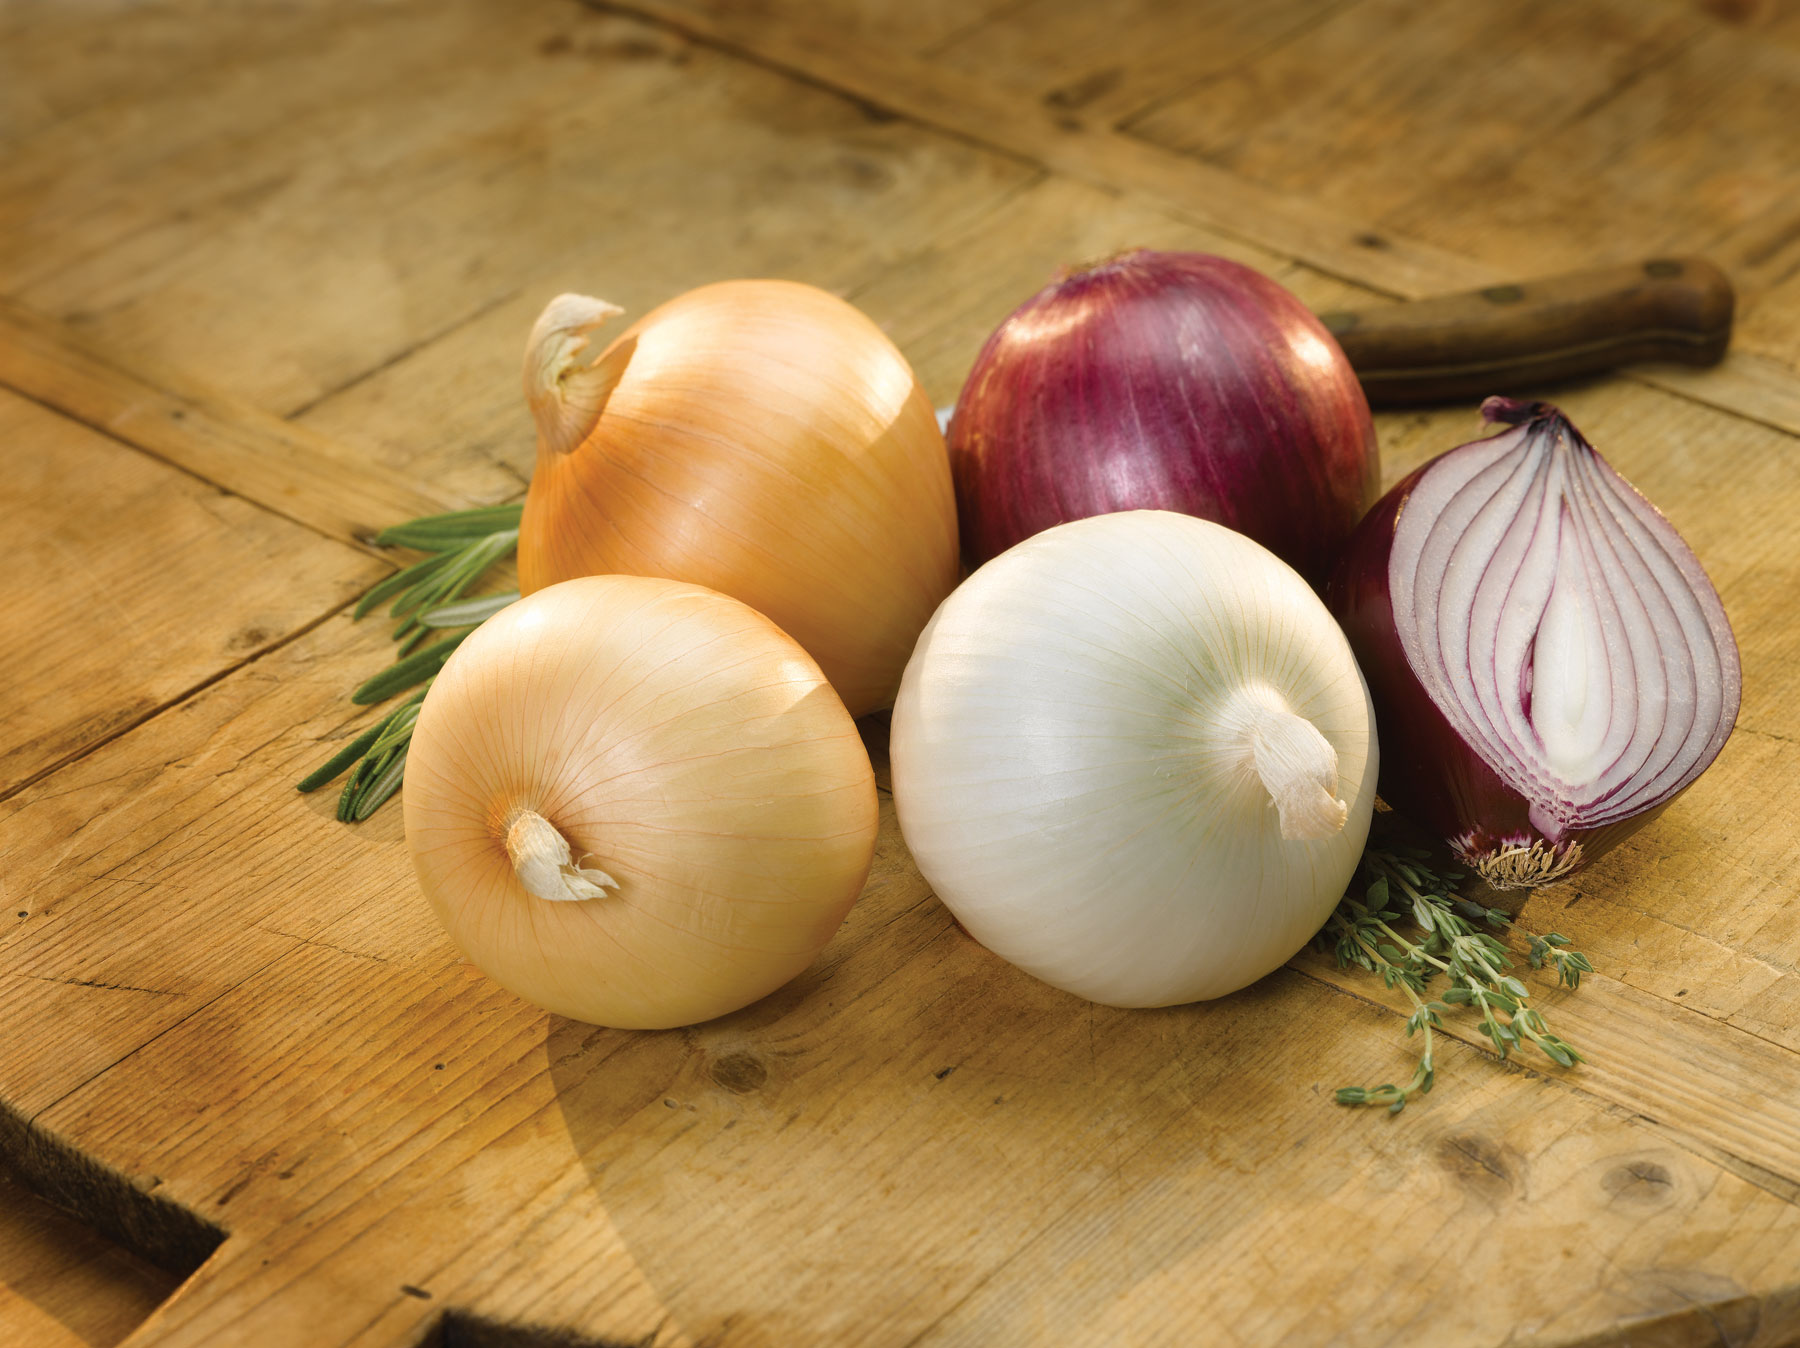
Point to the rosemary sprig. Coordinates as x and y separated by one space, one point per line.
464 545
1400 889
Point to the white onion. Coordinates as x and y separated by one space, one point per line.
1103 737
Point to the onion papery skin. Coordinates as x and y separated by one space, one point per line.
766 440
1066 777
1166 381
1487 786
686 745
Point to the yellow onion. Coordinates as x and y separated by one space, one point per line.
637 802
761 438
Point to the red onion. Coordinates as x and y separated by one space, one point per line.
1549 664
1169 381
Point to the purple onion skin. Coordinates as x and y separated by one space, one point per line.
1429 772
1165 381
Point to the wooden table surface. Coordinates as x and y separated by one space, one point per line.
265 272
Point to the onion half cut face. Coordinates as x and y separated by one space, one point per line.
1517 603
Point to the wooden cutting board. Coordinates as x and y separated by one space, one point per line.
238 1047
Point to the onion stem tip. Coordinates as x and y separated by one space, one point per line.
1299 769
545 866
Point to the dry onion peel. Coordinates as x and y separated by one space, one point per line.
637 802
1134 757
761 438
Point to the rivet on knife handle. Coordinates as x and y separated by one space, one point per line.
1512 338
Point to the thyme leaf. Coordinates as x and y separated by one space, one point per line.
1408 926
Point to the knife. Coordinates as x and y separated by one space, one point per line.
1505 338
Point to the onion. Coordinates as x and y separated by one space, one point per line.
1134 757
637 802
761 438
1549 663
1171 381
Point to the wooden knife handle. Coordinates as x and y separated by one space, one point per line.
1508 338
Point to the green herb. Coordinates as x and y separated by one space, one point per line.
464 545
1401 893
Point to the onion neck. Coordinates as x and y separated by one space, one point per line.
1295 764
544 864
566 396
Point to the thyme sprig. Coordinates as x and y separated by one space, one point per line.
428 597
1409 926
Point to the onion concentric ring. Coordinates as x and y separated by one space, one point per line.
1549 662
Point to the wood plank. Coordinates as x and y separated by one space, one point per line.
1539 138
113 54
144 584
289 226
1072 1159
1335 116
308 478
940 303
62 1286
1383 258
1405 1260
1105 63
228 999
1655 176
922 29
969 107
1099 62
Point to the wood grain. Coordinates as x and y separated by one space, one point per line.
227 1013
143 584
1011 1158
415 176
1386 255
311 479
61 1286
969 107
1103 63
1482 83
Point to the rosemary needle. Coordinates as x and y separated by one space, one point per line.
428 599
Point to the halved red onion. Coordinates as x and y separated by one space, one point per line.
1165 381
1550 665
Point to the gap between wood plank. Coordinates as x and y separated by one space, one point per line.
1157 102
169 704
479 312
158 1230
1000 122
308 479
